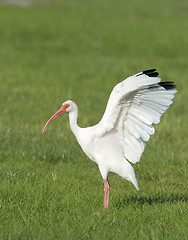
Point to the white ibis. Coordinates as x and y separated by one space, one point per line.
119 138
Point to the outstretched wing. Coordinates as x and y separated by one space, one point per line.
134 105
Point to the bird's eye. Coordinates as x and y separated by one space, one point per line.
67 106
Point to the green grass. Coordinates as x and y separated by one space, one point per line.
79 50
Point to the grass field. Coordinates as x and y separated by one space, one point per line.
79 50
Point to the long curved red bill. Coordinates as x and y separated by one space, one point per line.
59 112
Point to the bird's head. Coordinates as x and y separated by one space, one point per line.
66 107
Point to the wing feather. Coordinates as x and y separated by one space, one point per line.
134 105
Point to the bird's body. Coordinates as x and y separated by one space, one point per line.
119 138
105 150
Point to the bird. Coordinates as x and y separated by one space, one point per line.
120 137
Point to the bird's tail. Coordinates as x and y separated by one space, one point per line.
129 173
134 182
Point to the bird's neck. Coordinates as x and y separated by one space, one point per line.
73 116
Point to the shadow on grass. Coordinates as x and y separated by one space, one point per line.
150 200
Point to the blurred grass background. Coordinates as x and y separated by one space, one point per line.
57 50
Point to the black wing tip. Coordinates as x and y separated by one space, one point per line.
167 85
150 73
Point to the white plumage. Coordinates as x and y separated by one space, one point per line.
119 138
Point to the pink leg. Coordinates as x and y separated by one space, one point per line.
106 192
